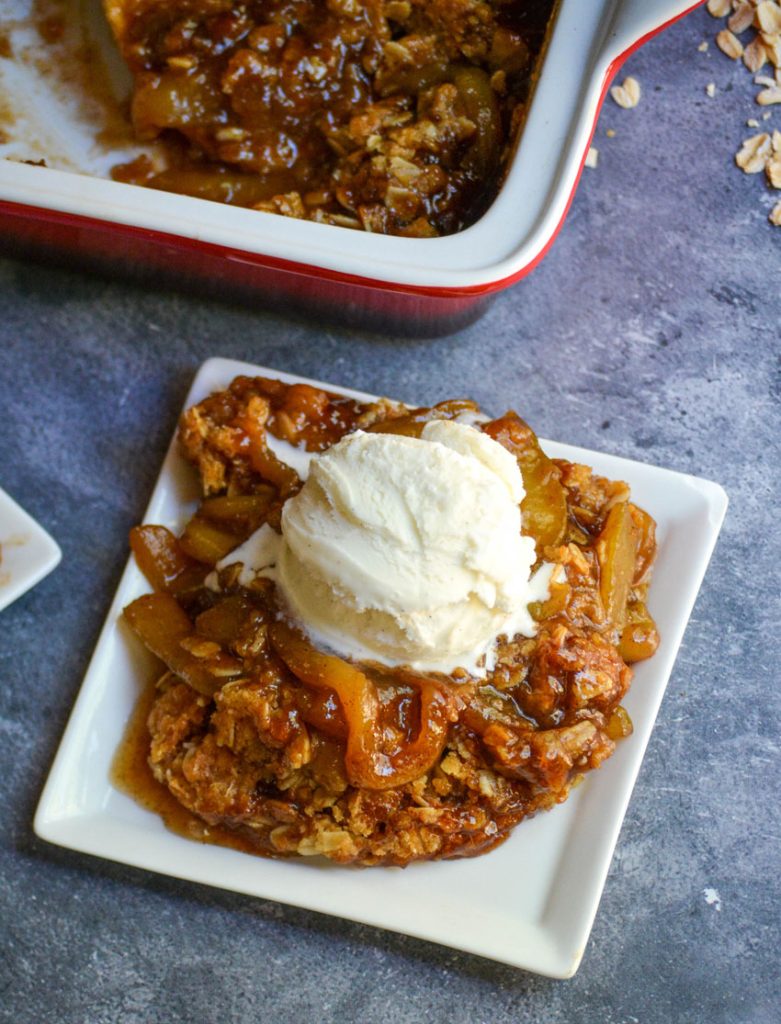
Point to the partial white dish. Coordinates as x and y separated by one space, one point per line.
27 552
531 902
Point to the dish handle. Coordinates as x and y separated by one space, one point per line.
635 21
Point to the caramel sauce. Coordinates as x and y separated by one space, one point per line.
131 774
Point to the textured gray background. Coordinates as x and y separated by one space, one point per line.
652 331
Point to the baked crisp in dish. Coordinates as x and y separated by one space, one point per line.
394 116
273 742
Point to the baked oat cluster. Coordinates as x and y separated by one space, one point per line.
288 750
393 116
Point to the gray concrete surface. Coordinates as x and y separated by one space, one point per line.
651 330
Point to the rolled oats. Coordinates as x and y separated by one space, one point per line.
199 648
729 43
773 172
772 46
759 21
754 154
628 94
755 55
181 62
742 18
768 17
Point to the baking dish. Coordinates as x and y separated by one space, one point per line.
428 284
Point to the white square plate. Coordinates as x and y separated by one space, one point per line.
27 552
529 903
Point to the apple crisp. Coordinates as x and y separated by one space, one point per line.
392 116
260 740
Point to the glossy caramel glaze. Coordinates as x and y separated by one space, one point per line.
395 116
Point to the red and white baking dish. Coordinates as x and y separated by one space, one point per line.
430 284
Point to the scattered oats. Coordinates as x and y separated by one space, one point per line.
772 46
755 55
742 18
611 133
763 46
592 157
628 94
773 172
729 44
769 17
754 154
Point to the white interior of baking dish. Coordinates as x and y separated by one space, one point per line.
48 112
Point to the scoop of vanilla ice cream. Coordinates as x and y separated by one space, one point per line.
409 551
